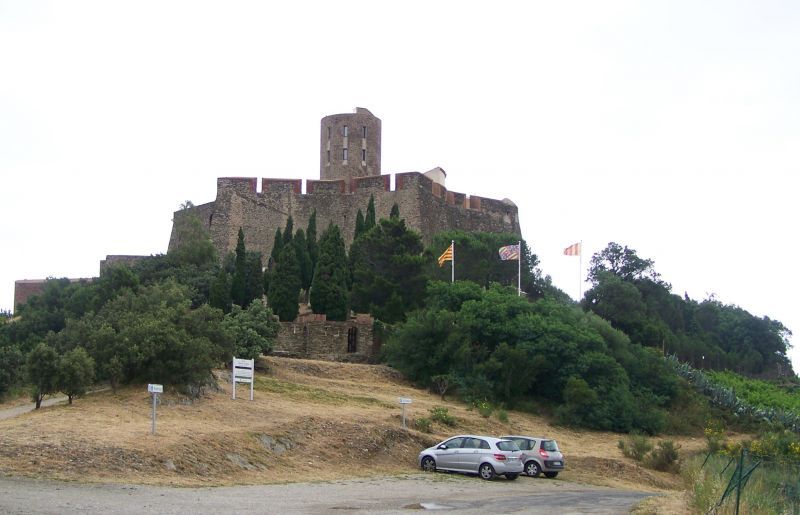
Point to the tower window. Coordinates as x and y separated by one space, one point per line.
344 154
329 133
344 131
363 154
329 156
363 131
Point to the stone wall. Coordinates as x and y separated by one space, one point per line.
127 260
26 288
426 206
317 338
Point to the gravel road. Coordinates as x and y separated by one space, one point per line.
440 492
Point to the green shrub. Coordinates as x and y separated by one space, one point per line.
484 408
423 424
664 457
502 416
441 414
715 436
637 446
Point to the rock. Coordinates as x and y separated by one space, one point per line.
239 460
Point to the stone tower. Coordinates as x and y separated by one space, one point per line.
350 146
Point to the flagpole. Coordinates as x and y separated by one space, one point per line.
580 268
519 269
453 261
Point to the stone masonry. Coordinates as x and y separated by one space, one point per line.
425 204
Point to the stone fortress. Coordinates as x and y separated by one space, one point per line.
350 171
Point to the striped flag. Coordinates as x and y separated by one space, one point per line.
509 252
573 250
447 255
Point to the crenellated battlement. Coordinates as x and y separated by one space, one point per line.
376 184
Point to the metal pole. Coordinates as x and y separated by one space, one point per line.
155 395
739 481
580 270
452 264
519 269
404 415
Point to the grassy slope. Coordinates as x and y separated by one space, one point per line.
338 420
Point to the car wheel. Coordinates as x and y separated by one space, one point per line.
512 477
551 475
486 471
532 469
428 464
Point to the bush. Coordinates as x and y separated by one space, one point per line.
637 446
423 424
664 457
484 408
441 414
502 416
715 435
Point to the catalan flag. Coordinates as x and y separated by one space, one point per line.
509 252
573 250
447 255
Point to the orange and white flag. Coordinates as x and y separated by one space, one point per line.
573 250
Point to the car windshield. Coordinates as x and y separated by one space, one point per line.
550 445
507 445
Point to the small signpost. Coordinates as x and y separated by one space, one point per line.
155 389
242 372
403 401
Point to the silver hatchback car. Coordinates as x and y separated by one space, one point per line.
539 455
486 456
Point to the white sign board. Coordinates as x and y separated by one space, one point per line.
403 401
242 371
154 389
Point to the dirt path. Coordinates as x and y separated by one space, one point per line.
440 492
25 408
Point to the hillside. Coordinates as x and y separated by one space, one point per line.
309 420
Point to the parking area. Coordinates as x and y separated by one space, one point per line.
440 492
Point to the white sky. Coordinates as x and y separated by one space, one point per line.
671 127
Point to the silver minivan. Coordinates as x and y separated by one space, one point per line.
486 456
539 455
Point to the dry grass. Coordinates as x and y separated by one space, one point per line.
309 420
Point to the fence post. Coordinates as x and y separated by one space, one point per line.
739 480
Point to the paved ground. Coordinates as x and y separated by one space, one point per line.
440 492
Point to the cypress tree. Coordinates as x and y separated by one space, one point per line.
311 240
238 295
277 245
288 232
369 219
395 211
284 285
219 296
388 271
359 225
254 280
303 259
329 288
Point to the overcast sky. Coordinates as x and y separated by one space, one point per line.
671 127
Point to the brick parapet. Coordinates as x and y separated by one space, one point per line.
282 185
376 182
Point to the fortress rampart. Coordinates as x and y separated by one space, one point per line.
427 206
